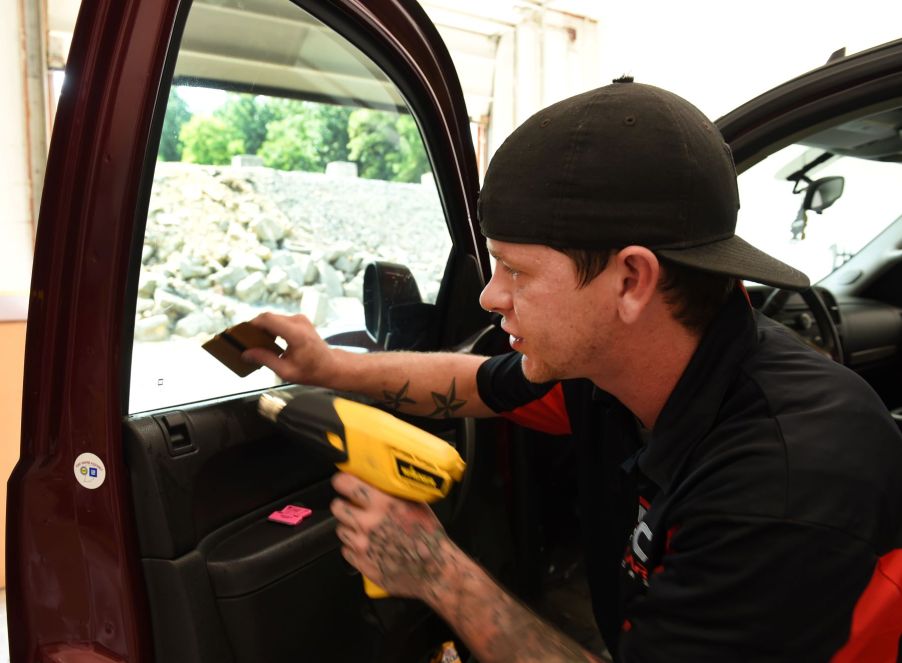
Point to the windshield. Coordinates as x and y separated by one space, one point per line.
769 207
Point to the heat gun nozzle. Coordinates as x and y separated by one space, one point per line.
270 405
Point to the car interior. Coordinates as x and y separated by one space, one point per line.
862 287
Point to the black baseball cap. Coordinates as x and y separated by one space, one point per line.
620 165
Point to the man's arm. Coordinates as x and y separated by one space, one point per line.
402 547
437 385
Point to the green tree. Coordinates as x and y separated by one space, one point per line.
373 143
333 130
386 146
412 161
177 114
288 145
209 140
307 137
249 115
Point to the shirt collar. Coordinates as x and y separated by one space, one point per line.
692 407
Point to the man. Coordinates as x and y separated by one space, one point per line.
740 493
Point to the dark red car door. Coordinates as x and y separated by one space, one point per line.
119 513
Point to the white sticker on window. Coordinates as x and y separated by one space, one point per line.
90 471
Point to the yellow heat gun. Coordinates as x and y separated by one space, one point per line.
376 447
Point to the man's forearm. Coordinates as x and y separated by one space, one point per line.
439 385
494 625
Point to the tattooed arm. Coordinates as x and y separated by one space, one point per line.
402 547
431 384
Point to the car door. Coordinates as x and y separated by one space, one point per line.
137 513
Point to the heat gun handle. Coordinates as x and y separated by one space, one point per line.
373 590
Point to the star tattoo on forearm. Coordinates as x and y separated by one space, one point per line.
395 400
447 404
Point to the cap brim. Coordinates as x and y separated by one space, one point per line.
736 257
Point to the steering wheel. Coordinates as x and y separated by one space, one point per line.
829 334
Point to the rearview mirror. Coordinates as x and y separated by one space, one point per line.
822 193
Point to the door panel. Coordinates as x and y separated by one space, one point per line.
226 584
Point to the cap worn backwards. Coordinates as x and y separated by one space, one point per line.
620 165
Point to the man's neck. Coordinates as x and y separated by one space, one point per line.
652 367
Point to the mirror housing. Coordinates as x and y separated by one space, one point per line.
386 285
822 193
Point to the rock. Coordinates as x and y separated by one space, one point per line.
248 262
193 267
195 324
277 281
307 270
154 328
144 304
246 161
228 277
251 288
268 228
338 250
331 280
172 304
148 282
282 258
349 264
354 287
314 305
343 169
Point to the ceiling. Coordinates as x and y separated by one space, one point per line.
482 16
470 28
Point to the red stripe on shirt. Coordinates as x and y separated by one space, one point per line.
745 293
547 414
877 620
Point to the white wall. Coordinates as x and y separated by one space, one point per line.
20 174
546 57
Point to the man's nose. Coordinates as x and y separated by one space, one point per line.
494 296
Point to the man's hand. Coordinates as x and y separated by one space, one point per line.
399 545
307 359
403 548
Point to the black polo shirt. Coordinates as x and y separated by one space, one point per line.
760 520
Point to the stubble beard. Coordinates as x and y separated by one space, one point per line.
537 372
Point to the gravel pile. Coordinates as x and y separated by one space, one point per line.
223 243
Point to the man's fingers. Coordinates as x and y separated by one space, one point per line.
264 357
350 537
293 329
354 490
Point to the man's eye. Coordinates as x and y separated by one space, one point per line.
510 270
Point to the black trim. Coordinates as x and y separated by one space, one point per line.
852 86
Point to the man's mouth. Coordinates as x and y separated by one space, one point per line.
514 340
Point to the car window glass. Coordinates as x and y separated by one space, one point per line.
287 162
768 209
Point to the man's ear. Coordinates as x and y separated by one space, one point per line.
637 273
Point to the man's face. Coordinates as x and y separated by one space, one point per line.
559 327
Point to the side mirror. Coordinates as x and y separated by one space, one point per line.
822 193
386 285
